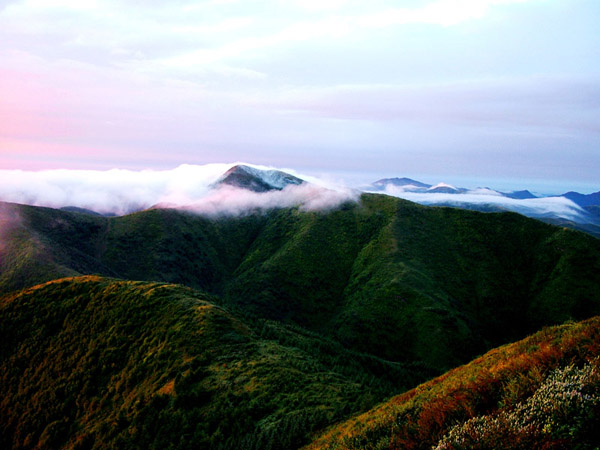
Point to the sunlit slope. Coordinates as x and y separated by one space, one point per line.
385 276
89 362
540 393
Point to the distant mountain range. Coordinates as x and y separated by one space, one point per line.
403 182
583 199
573 209
410 185
260 181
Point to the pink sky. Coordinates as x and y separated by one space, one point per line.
502 88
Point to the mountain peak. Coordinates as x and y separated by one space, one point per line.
583 199
400 182
257 180
445 188
519 195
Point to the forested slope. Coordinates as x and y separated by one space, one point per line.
384 276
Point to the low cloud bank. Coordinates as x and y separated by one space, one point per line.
192 187
188 186
228 200
550 207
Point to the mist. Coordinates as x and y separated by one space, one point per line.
195 188
120 192
544 207
229 200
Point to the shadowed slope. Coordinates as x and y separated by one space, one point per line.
409 282
385 276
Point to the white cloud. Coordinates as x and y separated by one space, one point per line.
192 187
189 186
551 207
228 200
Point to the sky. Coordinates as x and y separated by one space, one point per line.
438 90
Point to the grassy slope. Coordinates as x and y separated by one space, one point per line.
90 362
165 245
504 393
387 276
408 283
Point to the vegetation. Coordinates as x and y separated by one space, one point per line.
563 411
97 363
541 392
384 277
293 321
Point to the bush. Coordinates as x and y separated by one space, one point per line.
564 409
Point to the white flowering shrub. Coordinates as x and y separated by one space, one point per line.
564 412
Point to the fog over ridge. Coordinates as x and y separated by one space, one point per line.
120 191
196 188
540 207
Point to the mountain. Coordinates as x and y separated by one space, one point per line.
80 210
443 188
93 363
384 276
400 182
519 195
90 362
594 210
572 210
257 180
542 392
584 199
289 321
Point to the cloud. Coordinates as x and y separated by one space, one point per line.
523 102
544 207
121 191
416 85
231 201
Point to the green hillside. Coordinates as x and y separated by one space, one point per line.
89 363
540 393
259 331
385 276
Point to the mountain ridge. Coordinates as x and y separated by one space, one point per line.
87 362
292 320
360 270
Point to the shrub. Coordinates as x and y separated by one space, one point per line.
564 409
